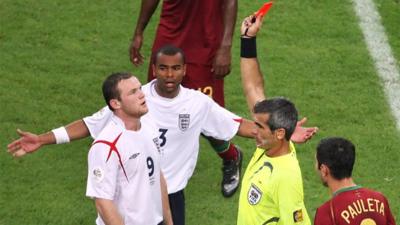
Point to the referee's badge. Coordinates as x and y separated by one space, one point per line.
254 195
184 121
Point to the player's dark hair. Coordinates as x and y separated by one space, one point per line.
169 50
283 114
110 86
338 154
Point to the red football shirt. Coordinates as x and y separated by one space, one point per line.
355 206
195 26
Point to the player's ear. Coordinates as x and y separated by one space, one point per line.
324 170
184 69
115 104
153 66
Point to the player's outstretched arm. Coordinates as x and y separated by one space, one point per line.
300 135
252 78
247 128
30 142
146 11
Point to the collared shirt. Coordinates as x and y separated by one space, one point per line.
272 191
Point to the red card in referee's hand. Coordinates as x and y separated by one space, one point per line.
264 9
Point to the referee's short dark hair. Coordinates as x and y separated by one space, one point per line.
338 154
110 86
283 114
169 50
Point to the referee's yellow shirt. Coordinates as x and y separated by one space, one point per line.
272 191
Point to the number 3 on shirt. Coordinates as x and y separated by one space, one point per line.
162 136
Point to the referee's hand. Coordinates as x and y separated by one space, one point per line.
250 26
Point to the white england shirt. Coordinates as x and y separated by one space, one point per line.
179 121
123 166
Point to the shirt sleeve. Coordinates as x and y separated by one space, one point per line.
96 122
321 217
219 122
289 197
102 173
316 219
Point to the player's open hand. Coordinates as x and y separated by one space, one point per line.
27 143
134 50
303 134
250 26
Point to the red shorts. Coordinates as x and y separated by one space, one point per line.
200 77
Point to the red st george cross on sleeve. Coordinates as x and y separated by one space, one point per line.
113 148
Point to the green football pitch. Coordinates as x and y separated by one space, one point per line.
55 54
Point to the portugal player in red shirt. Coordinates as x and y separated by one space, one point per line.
350 204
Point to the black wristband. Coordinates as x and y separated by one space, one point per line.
248 47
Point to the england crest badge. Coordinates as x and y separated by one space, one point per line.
254 195
184 121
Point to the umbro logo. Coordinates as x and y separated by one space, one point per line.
134 156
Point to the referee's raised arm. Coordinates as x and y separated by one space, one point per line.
252 78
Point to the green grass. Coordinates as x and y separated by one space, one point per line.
390 16
55 54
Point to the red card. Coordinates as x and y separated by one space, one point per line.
264 9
